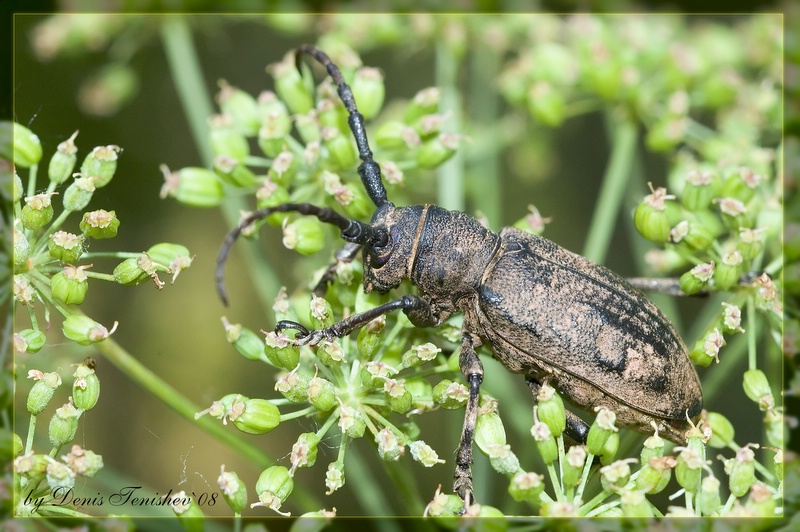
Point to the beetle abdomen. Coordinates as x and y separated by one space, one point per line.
540 302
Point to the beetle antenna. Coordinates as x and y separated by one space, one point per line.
369 170
351 231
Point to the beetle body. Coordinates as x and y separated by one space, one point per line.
546 312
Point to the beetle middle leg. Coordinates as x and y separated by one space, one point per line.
345 255
472 369
576 428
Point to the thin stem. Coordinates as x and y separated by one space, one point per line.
618 171
451 174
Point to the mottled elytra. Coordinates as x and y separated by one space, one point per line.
548 314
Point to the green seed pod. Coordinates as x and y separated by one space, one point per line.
655 475
600 430
31 465
398 397
294 386
369 91
308 127
489 431
284 167
334 477
304 451
741 184
369 338
100 224
635 504
271 109
652 447
258 417
437 150
188 512
503 460
42 391
17 190
59 476
722 432
708 500
240 106
390 448
330 353
616 474
756 386
130 272
85 331
271 194
450 395
63 425
425 102
16 445
234 491
37 211
174 258
226 139
320 312
70 285
26 145
245 341
424 454
280 352
83 462
652 223
395 135
351 422
741 471
728 271
65 247
340 148
101 164
551 409
697 278
751 243
699 190
695 236
420 354
273 487
706 349
778 464
79 193
773 425
610 448
761 502
304 235
547 104
735 215
86 387
22 250
233 172
322 394
572 466
196 187
545 442
689 465
63 161
332 114
34 340
290 86
666 134
526 487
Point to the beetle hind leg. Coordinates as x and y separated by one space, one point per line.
472 369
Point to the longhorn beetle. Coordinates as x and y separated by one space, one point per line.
546 312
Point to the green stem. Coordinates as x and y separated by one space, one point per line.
451 174
615 180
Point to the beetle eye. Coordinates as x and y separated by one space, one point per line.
379 255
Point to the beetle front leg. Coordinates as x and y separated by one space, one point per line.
418 310
472 369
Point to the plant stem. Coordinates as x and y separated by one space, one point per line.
615 180
451 174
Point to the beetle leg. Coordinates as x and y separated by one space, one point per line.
414 306
577 429
346 254
472 369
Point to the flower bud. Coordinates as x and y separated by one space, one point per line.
245 341
635 504
734 214
83 462
294 386
694 235
727 272
309 129
650 217
761 502
290 86
259 416
100 224
741 471
420 354
526 487
304 451
600 430
444 505
572 467
741 184
101 164
234 491
334 477
196 187
63 161
722 432
708 499
706 349
437 150
271 194
31 465
697 278
233 172
489 431
551 409
22 250
321 394
304 235
65 247
450 395
424 454
240 106
397 396
340 148
351 422
79 193
425 102
86 387
42 391
279 350
698 191
689 465
396 135
23 290
85 331
26 145
59 476
545 442
31 340
616 475
37 211
273 487
226 139
751 243
188 512
390 448
610 448
63 425
757 388
655 474
174 257
320 312
369 338
368 91
285 166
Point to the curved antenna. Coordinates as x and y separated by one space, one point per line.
351 231
369 170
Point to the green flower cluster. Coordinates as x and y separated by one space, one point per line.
40 480
49 267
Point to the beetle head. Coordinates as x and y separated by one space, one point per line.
389 262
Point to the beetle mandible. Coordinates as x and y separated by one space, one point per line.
547 313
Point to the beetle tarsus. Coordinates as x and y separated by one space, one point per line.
472 369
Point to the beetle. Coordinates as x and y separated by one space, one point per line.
547 313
